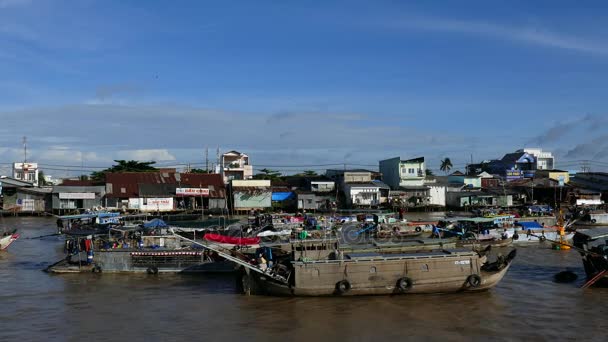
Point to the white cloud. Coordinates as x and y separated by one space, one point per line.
531 35
146 155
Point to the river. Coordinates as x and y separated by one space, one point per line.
36 306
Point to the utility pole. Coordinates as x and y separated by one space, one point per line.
207 159
24 150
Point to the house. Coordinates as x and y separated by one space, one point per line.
234 165
27 172
141 191
201 190
340 177
314 193
478 198
361 188
252 194
77 195
559 175
22 196
471 181
366 194
398 173
593 181
283 197
544 159
489 181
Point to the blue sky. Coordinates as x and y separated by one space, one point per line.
301 83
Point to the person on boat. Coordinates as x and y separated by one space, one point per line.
262 262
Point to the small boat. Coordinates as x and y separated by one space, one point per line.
378 273
593 246
594 219
7 239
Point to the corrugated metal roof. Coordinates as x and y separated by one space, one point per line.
129 181
132 182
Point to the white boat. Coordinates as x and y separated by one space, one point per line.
594 219
7 238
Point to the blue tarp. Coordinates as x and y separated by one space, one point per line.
155 223
530 225
282 196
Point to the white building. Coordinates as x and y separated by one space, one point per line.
544 159
27 172
398 173
235 165
362 194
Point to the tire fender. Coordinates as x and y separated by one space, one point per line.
473 280
342 287
404 284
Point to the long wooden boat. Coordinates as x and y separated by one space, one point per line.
149 254
380 274
6 239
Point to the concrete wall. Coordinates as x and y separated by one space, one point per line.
437 195
390 172
246 200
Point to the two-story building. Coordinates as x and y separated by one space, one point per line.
398 173
235 165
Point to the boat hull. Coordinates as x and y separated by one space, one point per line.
136 261
7 240
382 277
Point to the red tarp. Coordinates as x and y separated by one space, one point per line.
232 240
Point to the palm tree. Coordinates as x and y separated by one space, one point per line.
446 165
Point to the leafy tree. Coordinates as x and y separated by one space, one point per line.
310 173
429 172
41 180
267 174
446 165
83 177
200 171
125 166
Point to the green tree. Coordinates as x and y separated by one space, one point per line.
199 171
125 166
267 174
446 165
309 173
41 180
429 172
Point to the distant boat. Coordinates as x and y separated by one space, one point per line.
7 238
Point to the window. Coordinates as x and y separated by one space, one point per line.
411 171
19 175
123 190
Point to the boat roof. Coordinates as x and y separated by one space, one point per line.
530 225
594 233
86 216
475 219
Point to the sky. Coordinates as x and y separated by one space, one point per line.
301 85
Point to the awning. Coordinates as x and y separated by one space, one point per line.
232 240
530 225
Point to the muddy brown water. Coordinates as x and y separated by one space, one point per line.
36 306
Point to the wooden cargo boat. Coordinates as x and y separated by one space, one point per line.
378 273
